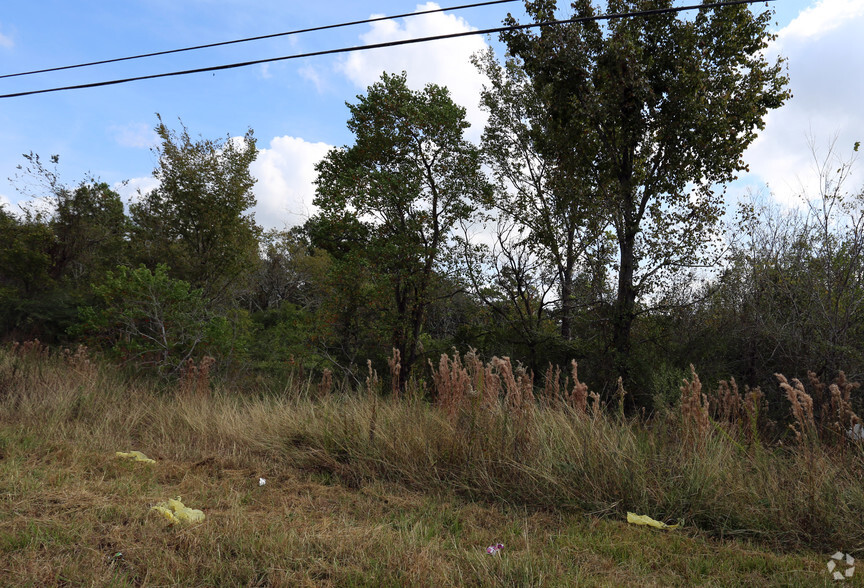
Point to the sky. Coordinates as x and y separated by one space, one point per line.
297 107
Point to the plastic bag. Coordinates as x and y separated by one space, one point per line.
135 456
646 520
176 512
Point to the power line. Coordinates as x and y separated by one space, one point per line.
246 40
643 13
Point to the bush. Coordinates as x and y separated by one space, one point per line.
152 320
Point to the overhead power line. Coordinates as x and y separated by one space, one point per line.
642 13
259 38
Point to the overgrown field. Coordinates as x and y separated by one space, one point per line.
371 489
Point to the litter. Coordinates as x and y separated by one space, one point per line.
646 520
856 433
176 512
135 456
850 566
493 549
261 481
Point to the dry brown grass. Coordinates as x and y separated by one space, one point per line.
362 491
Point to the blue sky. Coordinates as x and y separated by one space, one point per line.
297 108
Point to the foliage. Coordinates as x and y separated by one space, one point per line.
791 293
52 251
197 218
654 112
90 228
405 184
150 319
545 226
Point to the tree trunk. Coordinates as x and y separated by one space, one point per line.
625 305
567 306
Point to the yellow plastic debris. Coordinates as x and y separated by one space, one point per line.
176 512
646 520
135 456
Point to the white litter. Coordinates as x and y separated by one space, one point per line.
833 564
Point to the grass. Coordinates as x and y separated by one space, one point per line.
413 500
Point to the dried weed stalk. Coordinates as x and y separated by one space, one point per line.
373 384
79 361
552 385
452 383
802 408
326 383
577 397
694 408
395 363
484 380
195 379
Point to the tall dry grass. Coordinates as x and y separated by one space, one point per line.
487 437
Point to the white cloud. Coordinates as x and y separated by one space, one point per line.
137 135
5 203
285 189
820 19
129 189
309 73
6 41
827 82
445 62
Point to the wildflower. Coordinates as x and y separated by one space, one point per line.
493 549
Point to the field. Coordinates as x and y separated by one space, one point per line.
371 489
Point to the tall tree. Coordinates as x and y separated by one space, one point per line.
90 228
542 191
658 110
66 238
409 178
197 220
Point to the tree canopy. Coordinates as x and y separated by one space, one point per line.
407 181
198 216
655 113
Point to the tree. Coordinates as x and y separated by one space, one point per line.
540 191
197 219
25 277
88 222
90 229
792 298
149 319
65 238
409 178
657 111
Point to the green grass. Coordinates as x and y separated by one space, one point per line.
414 503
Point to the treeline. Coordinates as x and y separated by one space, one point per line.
587 225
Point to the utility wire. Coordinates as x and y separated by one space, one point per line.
643 13
246 40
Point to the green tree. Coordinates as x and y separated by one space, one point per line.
539 191
407 181
792 296
51 253
25 277
656 111
197 219
90 228
152 320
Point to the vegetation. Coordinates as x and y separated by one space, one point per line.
416 343
361 490
404 186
